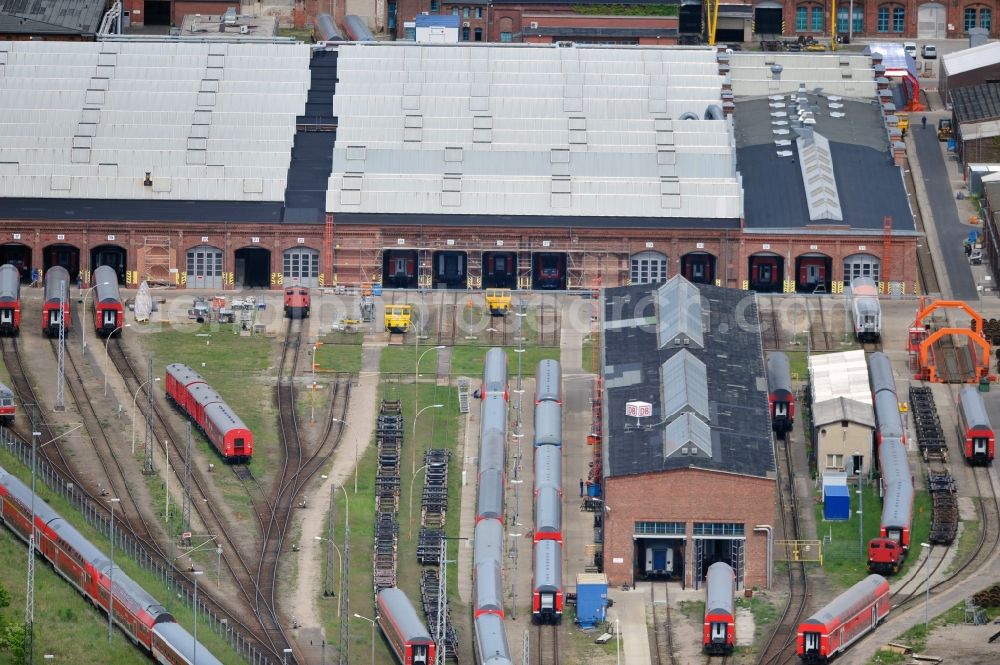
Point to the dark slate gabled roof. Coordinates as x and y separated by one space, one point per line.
51 17
737 387
976 103
869 184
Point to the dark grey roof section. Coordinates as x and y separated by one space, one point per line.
737 387
603 31
977 102
308 175
51 17
503 221
68 210
870 185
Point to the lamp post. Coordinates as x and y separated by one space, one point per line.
134 397
111 572
927 594
861 506
413 481
29 607
196 574
416 372
413 460
770 551
348 425
83 325
106 355
327 587
358 616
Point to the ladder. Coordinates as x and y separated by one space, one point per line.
463 395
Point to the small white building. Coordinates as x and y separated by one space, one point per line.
437 28
843 420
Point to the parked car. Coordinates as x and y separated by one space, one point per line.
928 51
910 48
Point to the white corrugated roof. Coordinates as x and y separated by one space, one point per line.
752 76
845 374
206 121
971 58
531 130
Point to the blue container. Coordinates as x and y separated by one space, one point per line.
952 145
836 503
591 599
376 289
593 490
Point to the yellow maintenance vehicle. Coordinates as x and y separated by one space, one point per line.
498 301
398 318
904 122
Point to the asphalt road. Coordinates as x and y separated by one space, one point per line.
946 225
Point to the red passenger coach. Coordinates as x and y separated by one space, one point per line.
220 424
720 622
978 444
403 629
7 407
56 292
109 315
10 300
849 617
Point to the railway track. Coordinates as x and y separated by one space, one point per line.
298 466
767 316
780 644
237 562
447 313
662 629
547 645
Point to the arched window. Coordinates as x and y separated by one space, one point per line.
986 18
479 34
465 34
809 18
801 18
891 18
859 20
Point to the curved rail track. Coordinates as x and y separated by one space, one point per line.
55 457
242 573
780 644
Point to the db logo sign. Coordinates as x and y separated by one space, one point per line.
638 409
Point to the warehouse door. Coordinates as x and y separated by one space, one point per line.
204 267
715 542
300 267
648 268
109 255
861 265
253 267
658 550
931 20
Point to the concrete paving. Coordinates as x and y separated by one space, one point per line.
629 611
943 221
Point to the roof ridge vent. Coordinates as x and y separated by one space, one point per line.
679 310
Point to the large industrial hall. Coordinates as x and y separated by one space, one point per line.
451 166
693 483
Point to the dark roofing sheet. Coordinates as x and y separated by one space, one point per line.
869 185
504 221
86 210
51 16
737 386
977 102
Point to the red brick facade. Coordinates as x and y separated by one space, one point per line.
180 8
954 12
357 251
687 496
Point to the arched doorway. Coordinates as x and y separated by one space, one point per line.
109 255
648 268
65 255
812 273
19 256
766 272
204 267
253 268
698 267
300 267
862 265
932 19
